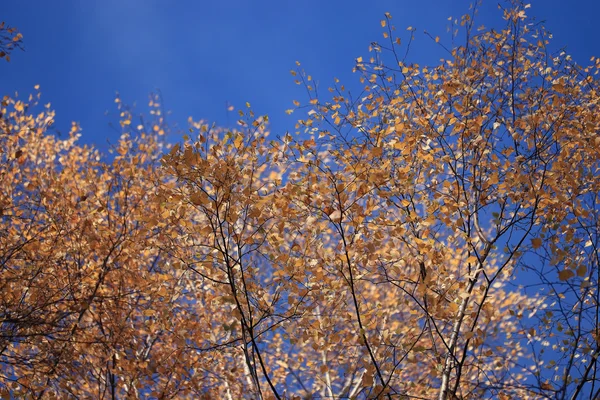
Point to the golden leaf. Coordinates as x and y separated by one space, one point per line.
565 274
536 243
336 216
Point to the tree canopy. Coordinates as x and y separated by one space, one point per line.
434 236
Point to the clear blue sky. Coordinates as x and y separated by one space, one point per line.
202 54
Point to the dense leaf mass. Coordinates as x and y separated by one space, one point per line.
434 237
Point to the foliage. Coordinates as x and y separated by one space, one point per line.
434 237
10 39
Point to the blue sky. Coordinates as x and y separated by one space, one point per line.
203 55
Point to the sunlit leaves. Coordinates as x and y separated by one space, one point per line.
458 171
10 39
378 251
89 262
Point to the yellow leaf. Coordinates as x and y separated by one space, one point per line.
367 380
148 313
536 243
336 216
471 260
238 141
565 274
199 198
383 23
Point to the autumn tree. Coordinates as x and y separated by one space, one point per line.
434 236
453 177
93 304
